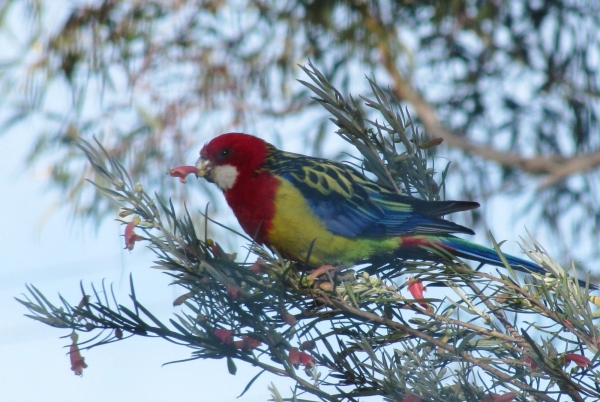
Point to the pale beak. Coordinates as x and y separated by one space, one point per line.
204 167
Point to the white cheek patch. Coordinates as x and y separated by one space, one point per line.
224 176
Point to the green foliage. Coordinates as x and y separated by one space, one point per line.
354 331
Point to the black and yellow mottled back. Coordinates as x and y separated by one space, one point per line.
350 204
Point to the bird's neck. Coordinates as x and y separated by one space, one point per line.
252 201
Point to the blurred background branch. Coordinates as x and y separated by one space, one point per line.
512 89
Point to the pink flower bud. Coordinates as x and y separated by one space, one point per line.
579 360
77 361
225 335
294 356
248 343
318 272
130 236
530 362
297 357
234 292
258 267
182 172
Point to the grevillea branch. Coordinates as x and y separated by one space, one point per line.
388 328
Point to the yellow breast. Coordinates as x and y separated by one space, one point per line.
295 227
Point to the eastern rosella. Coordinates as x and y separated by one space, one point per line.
295 203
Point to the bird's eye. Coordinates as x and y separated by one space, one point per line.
224 153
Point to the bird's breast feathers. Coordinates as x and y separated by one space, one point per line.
295 229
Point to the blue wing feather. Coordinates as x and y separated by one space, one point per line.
339 217
349 204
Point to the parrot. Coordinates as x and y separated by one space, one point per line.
318 211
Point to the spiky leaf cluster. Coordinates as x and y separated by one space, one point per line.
347 334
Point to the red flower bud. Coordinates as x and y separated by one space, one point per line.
297 357
258 267
250 342
77 361
182 172
416 289
239 344
294 356
218 251
225 335
530 362
411 398
307 360
234 292
579 360
130 236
